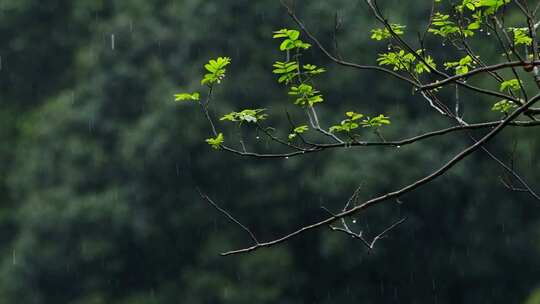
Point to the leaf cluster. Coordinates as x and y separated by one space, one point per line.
247 115
291 40
354 120
216 69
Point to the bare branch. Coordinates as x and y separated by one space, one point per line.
228 215
369 245
418 183
476 71
398 143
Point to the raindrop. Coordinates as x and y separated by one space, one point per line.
177 170
481 30
443 44
286 157
0 63
354 221
488 33
398 146
257 138
131 26
112 42
13 257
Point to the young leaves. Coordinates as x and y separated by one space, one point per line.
489 7
286 71
521 36
291 40
216 69
399 60
405 61
503 106
422 67
377 121
352 122
462 66
187 96
443 26
247 115
312 69
349 124
216 142
512 84
383 33
306 95
289 70
298 130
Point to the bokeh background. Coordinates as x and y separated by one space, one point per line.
99 166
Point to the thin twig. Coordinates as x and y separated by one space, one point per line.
398 143
228 215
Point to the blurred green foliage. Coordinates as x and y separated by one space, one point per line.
99 166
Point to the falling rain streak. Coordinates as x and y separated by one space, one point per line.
112 41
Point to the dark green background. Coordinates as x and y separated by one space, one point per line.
99 166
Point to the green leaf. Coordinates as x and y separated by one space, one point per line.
442 26
186 96
421 67
298 130
521 36
247 115
217 70
280 34
286 33
287 44
306 95
512 84
301 129
353 115
216 142
376 122
313 69
291 40
399 60
503 106
293 34
349 124
462 66
383 33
